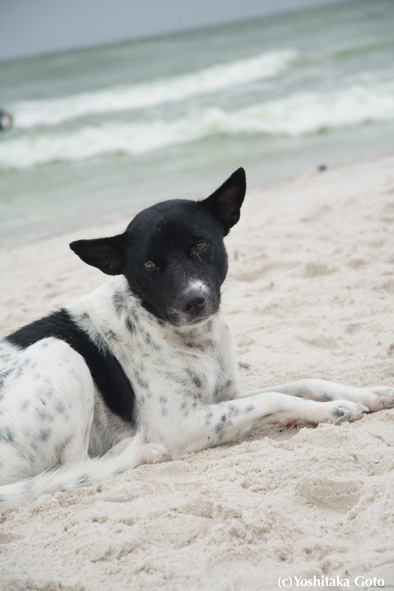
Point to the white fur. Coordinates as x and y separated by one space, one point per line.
186 386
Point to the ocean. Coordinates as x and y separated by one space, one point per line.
101 132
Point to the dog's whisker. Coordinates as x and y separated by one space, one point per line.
236 287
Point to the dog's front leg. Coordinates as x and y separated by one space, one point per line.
228 421
375 398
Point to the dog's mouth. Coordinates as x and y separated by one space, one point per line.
192 317
180 319
200 320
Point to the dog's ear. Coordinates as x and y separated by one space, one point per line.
225 203
104 253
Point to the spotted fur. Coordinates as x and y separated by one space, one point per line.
143 368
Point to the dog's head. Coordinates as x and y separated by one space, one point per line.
172 254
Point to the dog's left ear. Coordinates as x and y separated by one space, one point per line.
225 203
104 253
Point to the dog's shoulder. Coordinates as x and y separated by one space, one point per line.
82 327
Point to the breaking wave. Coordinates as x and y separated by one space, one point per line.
298 115
156 92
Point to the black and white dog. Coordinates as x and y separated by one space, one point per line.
143 369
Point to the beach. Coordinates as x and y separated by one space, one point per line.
103 131
309 294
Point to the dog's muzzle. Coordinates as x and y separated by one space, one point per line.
194 305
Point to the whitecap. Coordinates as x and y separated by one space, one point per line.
298 115
152 93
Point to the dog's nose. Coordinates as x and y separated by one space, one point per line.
193 302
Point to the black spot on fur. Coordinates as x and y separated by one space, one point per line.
149 341
141 382
118 300
193 345
83 480
6 435
4 374
219 430
44 415
233 410
130 325
60 407
44 434
249 408
195 378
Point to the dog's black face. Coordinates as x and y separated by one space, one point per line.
175 261
172 254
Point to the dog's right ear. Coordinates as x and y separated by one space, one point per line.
104 253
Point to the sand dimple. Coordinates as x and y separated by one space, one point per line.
338 495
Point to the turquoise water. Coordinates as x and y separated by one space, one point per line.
102 131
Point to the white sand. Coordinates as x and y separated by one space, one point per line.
310 293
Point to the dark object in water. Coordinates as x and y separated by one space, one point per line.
6 120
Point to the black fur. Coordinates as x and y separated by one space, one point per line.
105 369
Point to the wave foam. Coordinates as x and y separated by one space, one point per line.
301 114
49 112
309 113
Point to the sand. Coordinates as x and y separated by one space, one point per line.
309 294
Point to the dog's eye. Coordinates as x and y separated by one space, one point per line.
200 246
149 265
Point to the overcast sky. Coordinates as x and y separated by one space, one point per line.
29 27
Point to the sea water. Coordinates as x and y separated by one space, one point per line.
103 131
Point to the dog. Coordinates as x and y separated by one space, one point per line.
143 369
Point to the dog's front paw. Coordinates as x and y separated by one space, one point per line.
383 397
340 411
375 398
313 412
153 453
